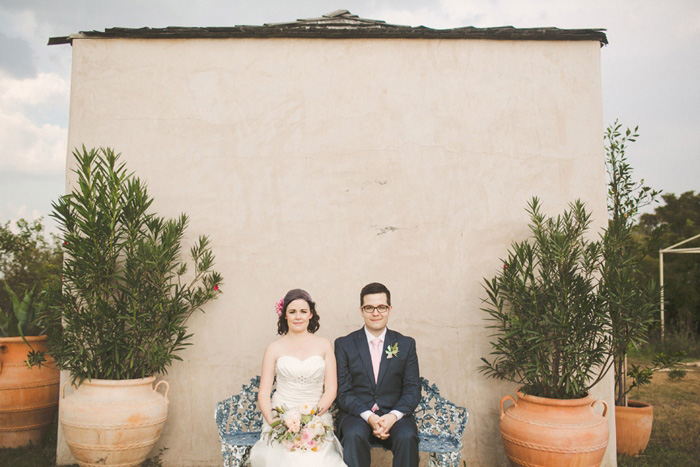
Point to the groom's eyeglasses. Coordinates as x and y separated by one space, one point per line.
370 309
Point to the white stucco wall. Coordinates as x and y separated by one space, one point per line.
328 164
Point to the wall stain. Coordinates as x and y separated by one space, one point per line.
386 229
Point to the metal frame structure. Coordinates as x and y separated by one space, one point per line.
672 249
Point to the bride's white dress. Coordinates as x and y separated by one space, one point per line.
298 382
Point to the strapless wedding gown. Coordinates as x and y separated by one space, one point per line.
298 382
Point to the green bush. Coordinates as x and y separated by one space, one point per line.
29 260
549 324
22 315
127 293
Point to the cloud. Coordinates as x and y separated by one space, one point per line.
25 145
20 212
16 93
22 22
29 147
539 13
16 57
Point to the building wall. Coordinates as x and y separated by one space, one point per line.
328 164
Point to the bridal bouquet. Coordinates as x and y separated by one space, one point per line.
299 429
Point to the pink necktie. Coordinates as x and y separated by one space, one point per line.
376 353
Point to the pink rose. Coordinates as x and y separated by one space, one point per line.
307 435
293 421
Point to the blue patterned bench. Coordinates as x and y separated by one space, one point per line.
440 425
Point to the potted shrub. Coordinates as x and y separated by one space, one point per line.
550 331
28 394
631 304
634 420
121 314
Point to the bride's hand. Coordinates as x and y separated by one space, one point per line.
322 410
274 422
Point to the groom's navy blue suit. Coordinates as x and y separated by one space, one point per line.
397 388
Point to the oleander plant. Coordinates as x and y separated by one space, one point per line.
550 328
128 289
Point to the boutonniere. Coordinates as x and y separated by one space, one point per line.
392 350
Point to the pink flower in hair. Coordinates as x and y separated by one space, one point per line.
280 307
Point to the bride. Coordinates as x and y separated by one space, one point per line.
306 377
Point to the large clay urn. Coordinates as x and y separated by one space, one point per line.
633 427
538 431
28 396
113 422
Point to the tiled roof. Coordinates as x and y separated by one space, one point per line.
341 24
339 19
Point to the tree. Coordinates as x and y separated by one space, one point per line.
673 222
630 301
28 259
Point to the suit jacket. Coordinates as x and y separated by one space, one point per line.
398 384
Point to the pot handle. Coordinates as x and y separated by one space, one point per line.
63 390
167 388
605 406
503 400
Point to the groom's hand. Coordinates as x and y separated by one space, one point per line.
383 425
373 421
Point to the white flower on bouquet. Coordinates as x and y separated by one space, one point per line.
307 409
317 426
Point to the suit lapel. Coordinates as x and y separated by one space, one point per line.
389 339
363 350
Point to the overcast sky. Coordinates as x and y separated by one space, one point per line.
651 71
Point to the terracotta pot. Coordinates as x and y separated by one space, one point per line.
110 422
538 431
633 427
28 396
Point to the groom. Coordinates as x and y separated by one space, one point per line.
378 385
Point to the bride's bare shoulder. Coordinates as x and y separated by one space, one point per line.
323 343
275 347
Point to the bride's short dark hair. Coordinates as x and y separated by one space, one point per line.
295 294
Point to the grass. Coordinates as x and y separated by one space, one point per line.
676 429
675 341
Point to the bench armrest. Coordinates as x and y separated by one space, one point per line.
239 413
437 416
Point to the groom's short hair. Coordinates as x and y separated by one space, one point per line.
375 287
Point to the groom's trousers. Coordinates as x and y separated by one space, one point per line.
356 435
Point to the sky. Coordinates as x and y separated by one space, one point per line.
650 71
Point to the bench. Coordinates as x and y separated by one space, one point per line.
440 423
